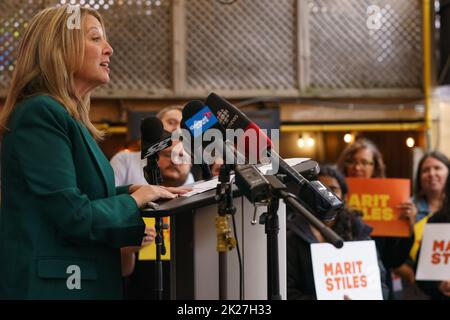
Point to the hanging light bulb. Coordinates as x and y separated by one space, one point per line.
348 137
310 142
410 142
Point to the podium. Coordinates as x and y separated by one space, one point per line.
194 265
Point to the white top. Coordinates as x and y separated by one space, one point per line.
128 169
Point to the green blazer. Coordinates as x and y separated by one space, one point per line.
59 209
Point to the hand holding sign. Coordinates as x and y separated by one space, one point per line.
444 287
408 211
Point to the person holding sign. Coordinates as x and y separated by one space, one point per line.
362 159
430 191
439 290
300 236
429 194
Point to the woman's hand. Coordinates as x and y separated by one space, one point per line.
143 194
408 211
178 190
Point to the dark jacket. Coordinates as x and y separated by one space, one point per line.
60 208
431 287
300 279
393 251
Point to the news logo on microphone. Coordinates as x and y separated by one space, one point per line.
215 130
201 121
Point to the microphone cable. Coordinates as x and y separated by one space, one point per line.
238 251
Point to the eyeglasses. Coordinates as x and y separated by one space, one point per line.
363 163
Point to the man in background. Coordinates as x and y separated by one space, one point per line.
128 169
128 165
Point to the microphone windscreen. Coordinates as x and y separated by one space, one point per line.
229 116
152 129
191 108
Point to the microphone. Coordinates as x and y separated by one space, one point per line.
198 118
153 137
317 197
232 118
188 111
153 140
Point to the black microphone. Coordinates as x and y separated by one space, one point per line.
232 118
317 197
153 140
153 137
189 110
198 119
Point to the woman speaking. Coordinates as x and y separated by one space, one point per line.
62 221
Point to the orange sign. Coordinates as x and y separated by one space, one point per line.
377 199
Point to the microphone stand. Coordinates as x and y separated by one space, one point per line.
225 239
152 175
271 222
271 226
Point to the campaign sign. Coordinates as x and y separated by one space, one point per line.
434 257
378 199
351 272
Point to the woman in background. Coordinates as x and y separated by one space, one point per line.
439 290
347 224
362 159
429 197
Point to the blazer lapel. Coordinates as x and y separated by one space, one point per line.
101 161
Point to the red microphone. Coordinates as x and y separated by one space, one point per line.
232 118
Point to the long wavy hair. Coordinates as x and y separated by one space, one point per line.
51 52
361 144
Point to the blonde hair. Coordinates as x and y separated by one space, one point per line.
164 111
50 53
